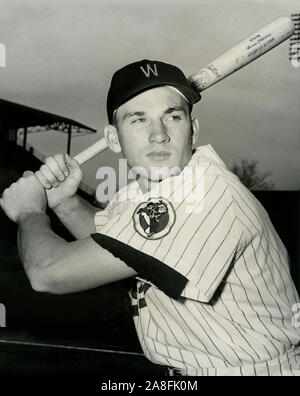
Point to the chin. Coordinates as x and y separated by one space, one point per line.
158 174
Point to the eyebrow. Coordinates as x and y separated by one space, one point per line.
177 108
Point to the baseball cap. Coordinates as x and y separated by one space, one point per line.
138 77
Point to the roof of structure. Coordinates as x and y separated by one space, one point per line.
19 116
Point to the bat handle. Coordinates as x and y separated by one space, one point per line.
91 151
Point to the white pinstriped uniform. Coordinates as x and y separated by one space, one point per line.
214 296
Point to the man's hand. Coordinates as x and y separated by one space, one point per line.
60 176
26 196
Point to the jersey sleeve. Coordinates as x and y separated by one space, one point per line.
189 255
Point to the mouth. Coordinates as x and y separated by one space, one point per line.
159 155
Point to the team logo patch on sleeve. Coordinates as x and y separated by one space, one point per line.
154 219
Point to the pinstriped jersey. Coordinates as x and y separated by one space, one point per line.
213 293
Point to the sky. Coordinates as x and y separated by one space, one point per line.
61 55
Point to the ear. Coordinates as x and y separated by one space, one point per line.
195 130
112 138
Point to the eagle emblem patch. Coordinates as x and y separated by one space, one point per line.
154 219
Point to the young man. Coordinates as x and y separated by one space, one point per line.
214 294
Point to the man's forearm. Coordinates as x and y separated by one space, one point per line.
77 215
38 244
54 265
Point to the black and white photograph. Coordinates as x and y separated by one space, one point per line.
149 191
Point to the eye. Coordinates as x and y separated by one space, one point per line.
174 117
138 120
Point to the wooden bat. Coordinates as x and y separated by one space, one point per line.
254 46
234 59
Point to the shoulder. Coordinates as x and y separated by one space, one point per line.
223 188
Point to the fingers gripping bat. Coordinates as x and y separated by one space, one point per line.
251 48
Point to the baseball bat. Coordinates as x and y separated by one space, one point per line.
254 46
91 151
232 60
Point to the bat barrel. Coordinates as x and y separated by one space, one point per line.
243 53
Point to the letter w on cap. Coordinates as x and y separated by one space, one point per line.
149 70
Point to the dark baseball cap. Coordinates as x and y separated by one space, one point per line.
138 77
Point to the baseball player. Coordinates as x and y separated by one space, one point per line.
213 292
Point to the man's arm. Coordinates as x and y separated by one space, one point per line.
52 264
56 266
77 215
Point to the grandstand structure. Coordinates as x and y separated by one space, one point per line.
17 121
14 116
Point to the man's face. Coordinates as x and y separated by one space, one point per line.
155 132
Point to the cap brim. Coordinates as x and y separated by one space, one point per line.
190 94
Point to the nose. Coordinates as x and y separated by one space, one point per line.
159 133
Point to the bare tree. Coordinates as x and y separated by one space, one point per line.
249 175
